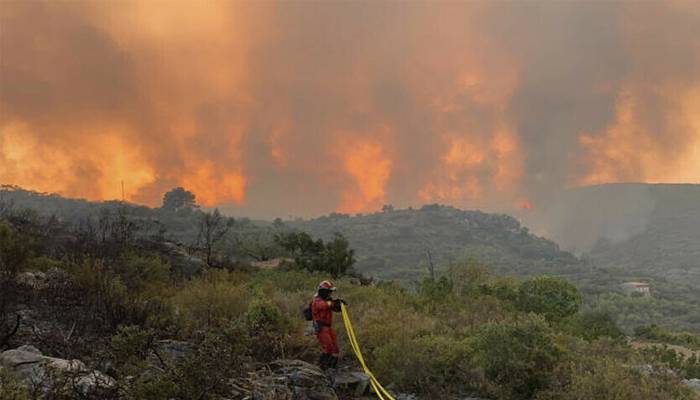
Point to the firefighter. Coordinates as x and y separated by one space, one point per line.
322 309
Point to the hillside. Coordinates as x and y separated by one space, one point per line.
393 244
400 244
101 315
645 229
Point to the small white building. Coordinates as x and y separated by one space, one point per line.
637 288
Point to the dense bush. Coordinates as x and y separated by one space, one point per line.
334 256
554 298
43 263
607 378
210 302
10 389
267 329
680 361
204 373
432 364
140 273
14 251
661 334
518 357
592 325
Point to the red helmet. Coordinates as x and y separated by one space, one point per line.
328 285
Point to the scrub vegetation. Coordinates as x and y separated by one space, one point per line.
120 292
403 245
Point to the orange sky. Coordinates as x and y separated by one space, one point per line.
302 108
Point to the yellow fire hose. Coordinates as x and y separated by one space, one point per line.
378 388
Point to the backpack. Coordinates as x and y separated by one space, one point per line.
308 314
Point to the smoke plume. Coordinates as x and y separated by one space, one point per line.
301 108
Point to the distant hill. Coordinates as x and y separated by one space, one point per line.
400 244
393 244
644 229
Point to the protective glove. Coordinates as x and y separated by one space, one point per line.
318 325
342 301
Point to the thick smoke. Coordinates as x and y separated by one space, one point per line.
301 108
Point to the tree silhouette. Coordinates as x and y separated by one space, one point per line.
178 199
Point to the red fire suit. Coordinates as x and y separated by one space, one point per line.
322 312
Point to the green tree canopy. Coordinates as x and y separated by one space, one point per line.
179 198
335 256
554 298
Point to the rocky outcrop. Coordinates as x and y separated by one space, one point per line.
292 380
352 382
34 370
34 280
693 384
37 280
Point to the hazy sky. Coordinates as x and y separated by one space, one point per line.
302 108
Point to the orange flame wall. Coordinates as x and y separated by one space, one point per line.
302 108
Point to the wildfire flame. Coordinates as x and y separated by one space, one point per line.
272 108
369 166
628 150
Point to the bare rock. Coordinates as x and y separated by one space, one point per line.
693 384
34 280
292 380
354 382
33 369
405 396
29 349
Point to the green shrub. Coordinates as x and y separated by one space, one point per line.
379 324
591 325
334 257
105 294
110 302
43 263
15 250
263 315
688 366
267 328
554 298
217 357
10 389
130 348
207 303
158 387
468 278
433 365
435 290
661 334
504 289
606 378
472 280
139 272
281 281
517 357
